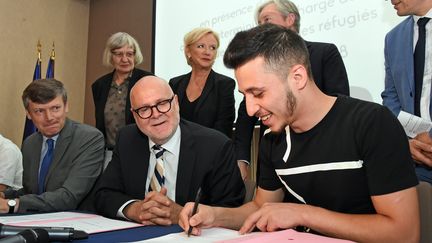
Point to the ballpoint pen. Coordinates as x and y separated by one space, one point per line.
195 208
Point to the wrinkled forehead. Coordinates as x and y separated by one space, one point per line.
124 48
58 100
269 10
150 94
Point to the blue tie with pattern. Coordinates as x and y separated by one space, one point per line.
157 181
46 162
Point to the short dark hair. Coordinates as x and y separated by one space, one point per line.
280 47
43 91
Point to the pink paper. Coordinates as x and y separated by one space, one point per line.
289 236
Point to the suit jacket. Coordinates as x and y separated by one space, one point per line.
330 76
77 163
100 89
399 87
206 159
216 105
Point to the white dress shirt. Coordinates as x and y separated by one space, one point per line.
171 158
427 76
11 167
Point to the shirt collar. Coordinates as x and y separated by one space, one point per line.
173 144
428 14
53 138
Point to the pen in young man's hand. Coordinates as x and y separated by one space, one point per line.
195 208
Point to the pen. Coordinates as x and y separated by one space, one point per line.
195 207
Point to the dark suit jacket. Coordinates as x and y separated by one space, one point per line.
77 163
330 76
206 159
100 89
216 105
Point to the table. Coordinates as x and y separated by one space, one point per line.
133 234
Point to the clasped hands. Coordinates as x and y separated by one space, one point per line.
155 209
421 149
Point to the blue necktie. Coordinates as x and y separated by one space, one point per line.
46 162
419 62
158 180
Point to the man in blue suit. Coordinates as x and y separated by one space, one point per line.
399 94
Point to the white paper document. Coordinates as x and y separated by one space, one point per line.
207 235
90 223
220 235
412 124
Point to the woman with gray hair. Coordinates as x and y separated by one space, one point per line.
111 91
205 97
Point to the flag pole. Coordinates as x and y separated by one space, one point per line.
51 63
39 50
29 127
53 52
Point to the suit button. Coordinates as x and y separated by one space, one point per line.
411 94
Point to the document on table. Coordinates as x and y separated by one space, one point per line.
207 235
220 235
90 223
412 124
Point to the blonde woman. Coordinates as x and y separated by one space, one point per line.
205 97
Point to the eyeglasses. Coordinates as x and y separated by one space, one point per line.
147 111
118 54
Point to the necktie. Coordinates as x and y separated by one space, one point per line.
157 181
46 162
419 59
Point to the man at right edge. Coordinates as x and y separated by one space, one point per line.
408 76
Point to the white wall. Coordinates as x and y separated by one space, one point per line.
356 27
22 24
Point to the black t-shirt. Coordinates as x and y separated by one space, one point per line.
356 151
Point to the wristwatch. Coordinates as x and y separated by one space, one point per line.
11 203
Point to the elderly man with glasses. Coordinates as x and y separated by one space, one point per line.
160 162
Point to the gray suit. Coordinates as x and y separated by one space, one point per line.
77 163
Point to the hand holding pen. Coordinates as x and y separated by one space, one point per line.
195 208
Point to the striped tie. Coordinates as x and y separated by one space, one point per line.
158 179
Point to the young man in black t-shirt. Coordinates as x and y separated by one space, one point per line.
343 164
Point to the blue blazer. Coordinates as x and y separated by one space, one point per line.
399 87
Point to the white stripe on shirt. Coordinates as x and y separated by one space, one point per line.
321 167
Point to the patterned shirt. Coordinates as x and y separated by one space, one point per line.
115 111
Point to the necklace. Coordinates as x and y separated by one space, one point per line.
198 86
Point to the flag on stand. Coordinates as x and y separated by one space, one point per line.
29 127
51 64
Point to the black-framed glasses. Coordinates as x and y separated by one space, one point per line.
147 111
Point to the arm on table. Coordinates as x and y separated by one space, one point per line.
232 218
396 220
